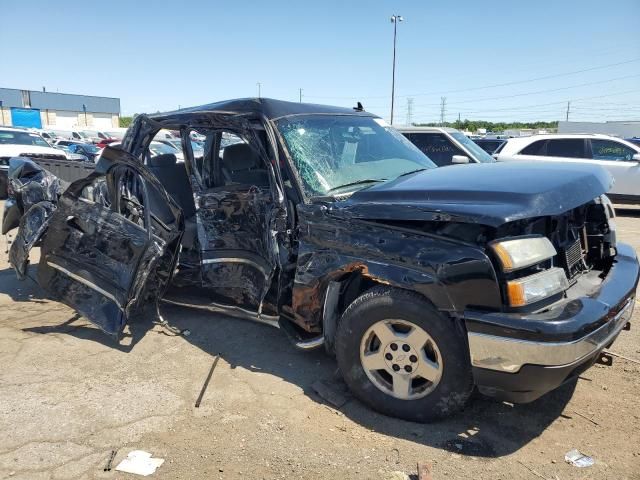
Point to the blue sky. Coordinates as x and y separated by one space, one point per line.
161 55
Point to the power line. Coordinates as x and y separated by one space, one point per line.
547 90
409 110
516 82
524 107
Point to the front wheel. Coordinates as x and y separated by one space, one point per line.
402 357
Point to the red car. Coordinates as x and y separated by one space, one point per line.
105 141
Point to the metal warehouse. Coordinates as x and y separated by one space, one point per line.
65 111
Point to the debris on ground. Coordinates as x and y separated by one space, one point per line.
139 462
394 455
578 459
586 418
207 380
330 394
109 464
424 471
628 359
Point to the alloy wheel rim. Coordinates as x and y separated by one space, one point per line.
401 359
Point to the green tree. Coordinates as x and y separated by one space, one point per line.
496 127
125 121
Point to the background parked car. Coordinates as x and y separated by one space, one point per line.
445 146
619 157
489 145
117 133
198 150
16 142
87 149
158 148
49 135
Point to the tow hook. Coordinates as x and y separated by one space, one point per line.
627 326
605 359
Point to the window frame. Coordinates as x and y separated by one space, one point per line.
584 147
452 143
590 152
542 151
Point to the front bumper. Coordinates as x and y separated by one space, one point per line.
521 356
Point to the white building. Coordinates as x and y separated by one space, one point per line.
620 129
63 111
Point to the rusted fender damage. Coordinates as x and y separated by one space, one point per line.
333 247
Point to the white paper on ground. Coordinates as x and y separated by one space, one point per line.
578 459
139 462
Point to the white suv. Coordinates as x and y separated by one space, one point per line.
619 157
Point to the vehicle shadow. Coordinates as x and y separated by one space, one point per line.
486 428
29 291
627 212
20 291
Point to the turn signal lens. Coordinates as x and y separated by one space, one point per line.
534 288
523 252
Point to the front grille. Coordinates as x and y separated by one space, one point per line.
574 259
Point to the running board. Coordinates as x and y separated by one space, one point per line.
294 335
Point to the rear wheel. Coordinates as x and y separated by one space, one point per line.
402 357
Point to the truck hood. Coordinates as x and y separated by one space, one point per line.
26 150
488 194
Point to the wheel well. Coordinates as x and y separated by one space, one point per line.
350 288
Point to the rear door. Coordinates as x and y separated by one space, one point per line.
617 158
111 242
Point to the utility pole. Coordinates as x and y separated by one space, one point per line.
443 109
568 109
259 85
409 110
395 19
300 95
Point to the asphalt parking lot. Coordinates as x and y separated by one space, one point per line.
69 396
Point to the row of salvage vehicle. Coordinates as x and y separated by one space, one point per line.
424 282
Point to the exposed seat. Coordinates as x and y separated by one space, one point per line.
241 164
174 179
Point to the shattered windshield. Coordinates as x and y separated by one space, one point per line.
343 153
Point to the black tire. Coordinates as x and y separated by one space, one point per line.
381 303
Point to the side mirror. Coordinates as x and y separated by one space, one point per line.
636 157
459 159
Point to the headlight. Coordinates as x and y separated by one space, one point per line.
523 252
533 288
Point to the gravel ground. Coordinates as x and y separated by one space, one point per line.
69 396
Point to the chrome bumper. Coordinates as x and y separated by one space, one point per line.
510 354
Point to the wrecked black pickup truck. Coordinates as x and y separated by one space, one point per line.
424 282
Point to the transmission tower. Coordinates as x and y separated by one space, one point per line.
443 109
409 111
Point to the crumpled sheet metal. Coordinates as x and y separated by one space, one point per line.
32 225
32 183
